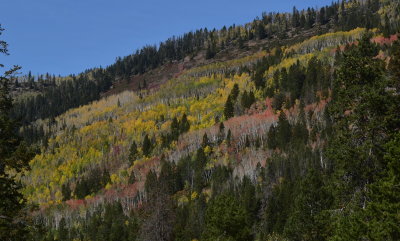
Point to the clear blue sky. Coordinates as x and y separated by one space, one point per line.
69 36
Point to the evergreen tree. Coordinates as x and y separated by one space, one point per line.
394 64
271 138
169 179
132 178
382 212
175 128
283 131
228 108
244 99
62 230
133 151
14 158
66 191
278 207
258 76
151 184
229 137
278 101
295 18
366 118
146 146
159 212
81 189
247 99
205 142
300 131
226 220
251 99
235 92
221 133
184 124
308 220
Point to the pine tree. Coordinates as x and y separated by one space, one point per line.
244 100
199 164
308 220
283 131
295 18
271 138
221 127
14 157
251 99
66 191
151 184
62 230
366 118
132 178
258 77
184 124
382 212
228 108
394 65
146 146
205 142
105 178
235 92
300 131
226 219
229 137
221 133
81 189
133 151
158 221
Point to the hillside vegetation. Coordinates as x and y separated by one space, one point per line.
285 128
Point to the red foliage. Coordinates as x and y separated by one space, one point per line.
75 203
382 40
379 40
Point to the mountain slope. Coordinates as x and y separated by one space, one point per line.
251 142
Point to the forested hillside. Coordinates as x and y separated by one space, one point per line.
46 96
285 128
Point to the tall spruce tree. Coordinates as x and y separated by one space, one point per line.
228 108
226 219
366 117
133 151
146 146
14 158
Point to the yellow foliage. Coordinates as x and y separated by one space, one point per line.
114 179
91 140
183 199
317 43
194 195
207 150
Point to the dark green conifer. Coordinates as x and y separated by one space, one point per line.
66 191
205 142
228 108
133 151
184 124
146 146
235 92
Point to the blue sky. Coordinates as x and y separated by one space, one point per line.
69 36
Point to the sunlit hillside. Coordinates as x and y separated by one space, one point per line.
285 128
